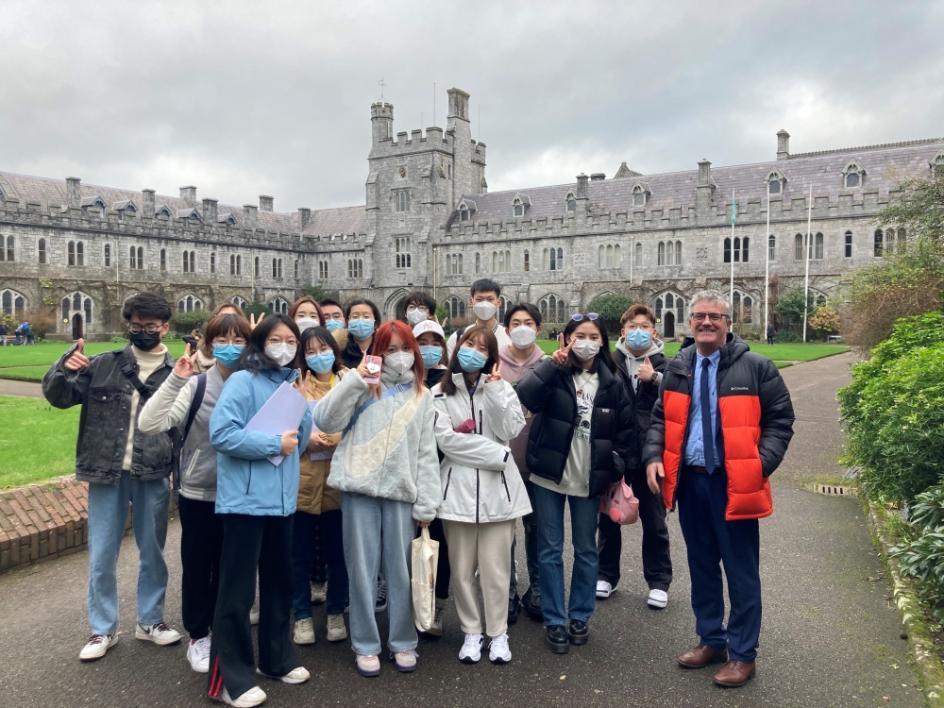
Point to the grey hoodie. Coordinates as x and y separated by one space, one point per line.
633 362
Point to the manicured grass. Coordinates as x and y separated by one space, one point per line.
37 441
29 363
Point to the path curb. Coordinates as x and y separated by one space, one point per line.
924 654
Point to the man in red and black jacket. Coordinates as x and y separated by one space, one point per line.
721 426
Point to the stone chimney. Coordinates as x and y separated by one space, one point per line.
304 216
73 195
209 211
783 144
189 195
265 202
250 212
582 180
147 203
704 188
597 177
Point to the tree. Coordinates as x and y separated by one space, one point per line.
789 312
186 322
318 292
824 320
909 281
610 308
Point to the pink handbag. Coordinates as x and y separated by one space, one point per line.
620 504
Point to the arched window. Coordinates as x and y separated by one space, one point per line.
12 303
878 247
742 308
256 267
772 247
9 252
890 241
847 245
553 258
213 261
637 256
279 306
464 213
670 312
189 303
639 196
902 239
774 186
527 261
77 303
552 309
41 250
455 307
678 253
163 257
798 247
727 250
505 303
241 303
571 202
517 207
70 253
853 176
106 255
818 247
660 253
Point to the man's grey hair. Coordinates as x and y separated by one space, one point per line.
710 296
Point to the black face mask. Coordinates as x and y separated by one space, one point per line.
145 341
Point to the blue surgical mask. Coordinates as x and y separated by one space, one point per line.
320 363
361 329
471 360
333 325
227 354
432 354
639 339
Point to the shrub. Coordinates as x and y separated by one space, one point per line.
922 557
185 322
824 321
610 308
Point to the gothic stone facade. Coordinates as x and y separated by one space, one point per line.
429 222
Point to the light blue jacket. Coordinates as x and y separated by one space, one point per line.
247 483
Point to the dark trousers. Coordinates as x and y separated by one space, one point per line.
251 542
319 563
308 529
443 571
656 560
712 541
201 540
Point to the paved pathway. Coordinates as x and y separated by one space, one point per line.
830 638
8 387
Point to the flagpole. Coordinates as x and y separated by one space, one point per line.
767 266
808 244
733 219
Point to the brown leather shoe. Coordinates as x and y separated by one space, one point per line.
734 674
701 656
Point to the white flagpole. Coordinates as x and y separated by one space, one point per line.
767 266
733 217
807 244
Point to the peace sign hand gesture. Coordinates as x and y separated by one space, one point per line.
495 375
254 320
560 356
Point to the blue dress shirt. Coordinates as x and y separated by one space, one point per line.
695 445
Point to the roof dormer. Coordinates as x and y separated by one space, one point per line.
466 208
775 183
641 194
853 175
520 205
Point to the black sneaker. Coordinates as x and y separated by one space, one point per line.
579 632
532 607
556 639
513 604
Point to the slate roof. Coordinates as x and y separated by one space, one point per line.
52 193
886 166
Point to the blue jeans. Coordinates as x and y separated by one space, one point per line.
374 530
107 512
303 558
549 517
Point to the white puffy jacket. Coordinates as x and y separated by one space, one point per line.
480 481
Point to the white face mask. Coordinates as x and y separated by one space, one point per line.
484 310
283 353
399 362
522 336
585 349
415 315
306 323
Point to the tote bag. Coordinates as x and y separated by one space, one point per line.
424 557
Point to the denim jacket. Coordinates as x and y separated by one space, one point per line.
105 395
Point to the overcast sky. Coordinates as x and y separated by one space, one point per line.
252 98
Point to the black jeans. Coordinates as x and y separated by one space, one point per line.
251 542
201 540
656 561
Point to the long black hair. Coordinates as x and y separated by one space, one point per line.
323 335
254 357
604 353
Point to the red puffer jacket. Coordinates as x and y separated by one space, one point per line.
756 425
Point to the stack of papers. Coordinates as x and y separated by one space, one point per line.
283 411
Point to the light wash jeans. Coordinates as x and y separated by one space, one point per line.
107 512
373 529
549 515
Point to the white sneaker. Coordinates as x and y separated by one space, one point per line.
198 654
297 675
159 633
304 631
255 696
381 604
498 650
604 589
471 651
97 646
657 599
436 628
319 593
337 632
254 616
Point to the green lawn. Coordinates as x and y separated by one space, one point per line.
37 441
29 363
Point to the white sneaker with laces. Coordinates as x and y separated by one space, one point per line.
337 632
198 654
159 633
97 646
498 650
304 631
604 589
255 696
658 599
297 675
471 651
381 604
319 593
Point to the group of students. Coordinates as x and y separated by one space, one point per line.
464 435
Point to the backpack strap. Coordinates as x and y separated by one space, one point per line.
196 402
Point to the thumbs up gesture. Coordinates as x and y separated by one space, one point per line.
183 367
77 360
646 372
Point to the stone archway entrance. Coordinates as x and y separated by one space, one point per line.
77 328
668 325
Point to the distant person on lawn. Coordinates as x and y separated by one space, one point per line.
121 465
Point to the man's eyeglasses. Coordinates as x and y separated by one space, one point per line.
150 329
713 316
580 316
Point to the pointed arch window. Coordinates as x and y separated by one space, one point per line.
853 176
878 243
279 306
464 213
12 303
640 196
552 308
847 245
775 183
517 207
571 202
41 251
772 247
189 303
526 261
637 255
455 307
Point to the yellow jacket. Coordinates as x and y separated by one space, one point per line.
314 495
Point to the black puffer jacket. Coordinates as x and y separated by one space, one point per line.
548 392
644 397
